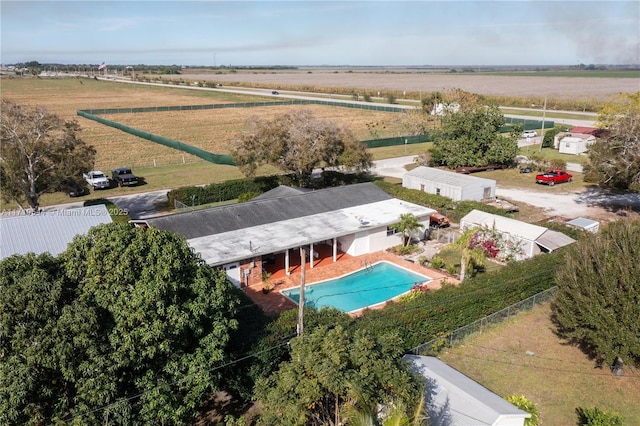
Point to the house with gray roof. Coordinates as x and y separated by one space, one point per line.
457 186
48 231
353 219
453 399
532 239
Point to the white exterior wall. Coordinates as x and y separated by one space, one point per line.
572 146
473 191
430 187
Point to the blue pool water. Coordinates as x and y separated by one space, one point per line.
367 287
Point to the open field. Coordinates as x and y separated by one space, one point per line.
558 377
535 86
207 129
212 130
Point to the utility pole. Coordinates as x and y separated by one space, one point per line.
303 258
544 112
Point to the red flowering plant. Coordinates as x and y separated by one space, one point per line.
495 245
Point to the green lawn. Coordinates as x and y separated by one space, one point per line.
557 376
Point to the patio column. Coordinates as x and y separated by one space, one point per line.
335 250
311 256
286 262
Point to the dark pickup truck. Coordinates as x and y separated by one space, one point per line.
123 177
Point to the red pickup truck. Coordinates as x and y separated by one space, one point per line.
554 176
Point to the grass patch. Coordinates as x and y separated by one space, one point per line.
552 154
558 377
512 178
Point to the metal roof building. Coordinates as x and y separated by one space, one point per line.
456 400
456 186
48 231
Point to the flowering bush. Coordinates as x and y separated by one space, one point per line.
494 245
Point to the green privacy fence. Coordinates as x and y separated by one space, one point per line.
94 114
526 123
201 153
399 140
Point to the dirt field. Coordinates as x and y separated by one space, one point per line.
579 88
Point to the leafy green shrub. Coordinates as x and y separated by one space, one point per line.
224 191
597 417
557 163
524 404
451 269
247 196
437 262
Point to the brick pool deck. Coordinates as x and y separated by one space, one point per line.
324 268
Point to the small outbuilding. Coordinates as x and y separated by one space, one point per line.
573 143
585 224
531 239
457 186
454 399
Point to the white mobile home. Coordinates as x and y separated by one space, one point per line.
453 185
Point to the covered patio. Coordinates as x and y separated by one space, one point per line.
275 265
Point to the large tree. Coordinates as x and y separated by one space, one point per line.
127 324
298 142
41 153
470 137
598 300
332 371
615 157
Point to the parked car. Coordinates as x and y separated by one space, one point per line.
554 176
275 92
529 134
124 177
75 189
97 179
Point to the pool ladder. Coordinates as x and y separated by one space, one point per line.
368 266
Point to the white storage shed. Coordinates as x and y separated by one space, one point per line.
585 224
573 143
453 185
455 399
532 239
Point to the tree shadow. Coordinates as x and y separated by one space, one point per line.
619 202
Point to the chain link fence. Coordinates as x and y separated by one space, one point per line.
432 347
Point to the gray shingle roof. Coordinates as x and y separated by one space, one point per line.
48 231
263 211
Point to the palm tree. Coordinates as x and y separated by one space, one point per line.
470 257
408 225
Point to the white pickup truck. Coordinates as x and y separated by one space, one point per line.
97 179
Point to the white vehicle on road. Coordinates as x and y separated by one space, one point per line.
529 134
97 179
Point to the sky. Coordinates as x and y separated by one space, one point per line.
313 33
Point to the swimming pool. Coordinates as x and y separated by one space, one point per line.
364 288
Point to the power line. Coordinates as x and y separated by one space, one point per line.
138 395
429 303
